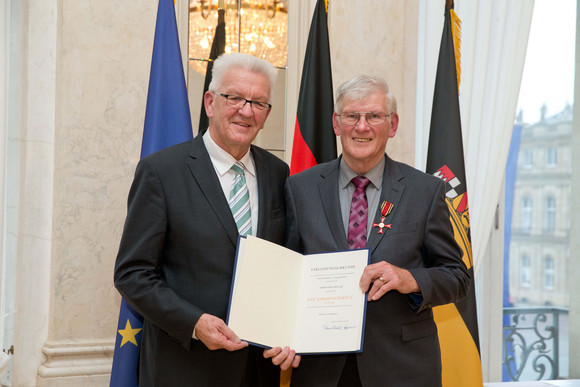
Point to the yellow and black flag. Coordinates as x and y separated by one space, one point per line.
456 323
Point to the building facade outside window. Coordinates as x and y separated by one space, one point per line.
539 243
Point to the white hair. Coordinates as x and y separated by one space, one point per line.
244 61
362 86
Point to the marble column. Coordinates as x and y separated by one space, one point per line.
102 71
30 140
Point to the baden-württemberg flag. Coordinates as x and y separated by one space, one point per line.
456 323
167 122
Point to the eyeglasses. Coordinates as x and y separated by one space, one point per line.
239 102
372 118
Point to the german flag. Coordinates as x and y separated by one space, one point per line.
314 139
456 323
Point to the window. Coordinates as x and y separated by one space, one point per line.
550 215
525 271
551 157
527 158
549 272
537 261
526 221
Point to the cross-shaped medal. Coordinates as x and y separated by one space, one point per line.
381 225
386 208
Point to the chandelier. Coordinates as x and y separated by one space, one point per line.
256 27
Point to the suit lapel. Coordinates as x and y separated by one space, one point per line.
392 192
204 174
328 188
263 183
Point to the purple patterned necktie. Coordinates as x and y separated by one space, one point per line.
359 208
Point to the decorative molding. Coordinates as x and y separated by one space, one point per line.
66 359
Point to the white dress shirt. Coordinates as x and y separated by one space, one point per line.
222 162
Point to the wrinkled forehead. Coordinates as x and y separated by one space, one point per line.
242 80
371 102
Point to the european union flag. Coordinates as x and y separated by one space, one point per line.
167 122
126 356
167 118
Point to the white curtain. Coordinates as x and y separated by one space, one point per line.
493 48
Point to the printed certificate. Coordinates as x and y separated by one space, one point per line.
310 303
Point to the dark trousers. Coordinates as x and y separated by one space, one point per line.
349 376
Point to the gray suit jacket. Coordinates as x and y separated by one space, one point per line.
176 259
400 347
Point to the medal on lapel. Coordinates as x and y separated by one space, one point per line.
386 208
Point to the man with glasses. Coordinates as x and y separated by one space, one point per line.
187 206
366 199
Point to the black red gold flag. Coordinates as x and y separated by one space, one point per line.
456 323
218 47
314 138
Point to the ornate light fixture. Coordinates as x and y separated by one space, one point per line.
256 27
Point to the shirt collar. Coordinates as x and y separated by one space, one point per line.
222 160
375 175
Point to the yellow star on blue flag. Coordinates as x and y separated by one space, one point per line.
126 359
129 334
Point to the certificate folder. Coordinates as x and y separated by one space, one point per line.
310 303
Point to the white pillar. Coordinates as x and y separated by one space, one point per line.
31 146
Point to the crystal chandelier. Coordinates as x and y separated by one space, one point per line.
256 27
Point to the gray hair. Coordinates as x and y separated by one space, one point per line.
248 62
362 86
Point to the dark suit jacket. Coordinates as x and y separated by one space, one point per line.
400 346
176 259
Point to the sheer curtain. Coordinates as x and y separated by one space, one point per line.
493 48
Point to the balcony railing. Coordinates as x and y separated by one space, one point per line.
531 342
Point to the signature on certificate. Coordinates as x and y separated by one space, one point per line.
338 327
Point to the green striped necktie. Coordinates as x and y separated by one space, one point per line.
240 201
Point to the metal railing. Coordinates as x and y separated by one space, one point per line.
531 342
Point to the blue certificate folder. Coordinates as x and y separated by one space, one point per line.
310 303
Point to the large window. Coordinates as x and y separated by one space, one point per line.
537 325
